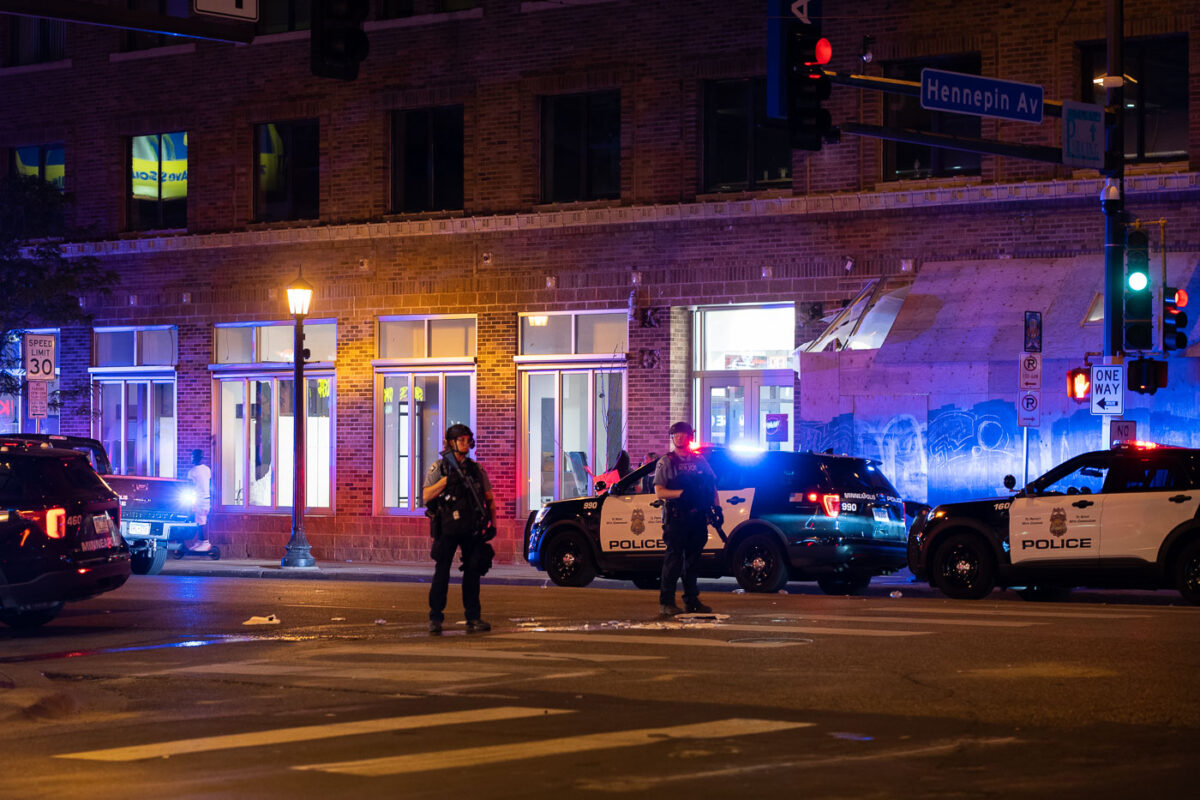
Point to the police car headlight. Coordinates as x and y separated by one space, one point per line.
541 514
938 513
187 497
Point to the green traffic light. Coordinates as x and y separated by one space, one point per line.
1138 281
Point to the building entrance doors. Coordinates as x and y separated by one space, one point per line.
752 409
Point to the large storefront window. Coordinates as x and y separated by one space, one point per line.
256 414
133 385
744 380
425 382
573 388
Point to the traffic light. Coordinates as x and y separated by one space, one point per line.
1147 376
1139 322
338 43
1079 384
1174 320
808 123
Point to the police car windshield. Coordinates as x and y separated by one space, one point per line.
27 478
856 474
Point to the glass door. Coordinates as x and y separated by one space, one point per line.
748 409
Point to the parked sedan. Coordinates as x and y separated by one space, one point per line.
59 533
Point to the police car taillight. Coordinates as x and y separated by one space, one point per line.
52 520
831 504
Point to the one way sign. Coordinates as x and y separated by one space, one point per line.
1108 389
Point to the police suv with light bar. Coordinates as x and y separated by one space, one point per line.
1122 518
788 516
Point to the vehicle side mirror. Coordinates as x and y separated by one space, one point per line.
1010 482
600 487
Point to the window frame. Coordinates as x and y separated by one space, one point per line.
435 143
574 353
906 107
20 408
291 208
50 45
43 160
134 214
256 343
758 127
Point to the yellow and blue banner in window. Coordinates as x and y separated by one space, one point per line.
159 166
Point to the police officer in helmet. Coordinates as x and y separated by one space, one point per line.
685 481
462 512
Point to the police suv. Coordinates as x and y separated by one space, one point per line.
788 516
1122 518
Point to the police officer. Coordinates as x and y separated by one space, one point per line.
685 481
461 508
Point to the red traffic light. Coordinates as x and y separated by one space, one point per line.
823 51
1181 300
1079 384
811 50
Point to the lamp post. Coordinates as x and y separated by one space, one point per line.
299 552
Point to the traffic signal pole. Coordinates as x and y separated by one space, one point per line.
1112 200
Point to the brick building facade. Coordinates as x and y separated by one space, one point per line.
596 176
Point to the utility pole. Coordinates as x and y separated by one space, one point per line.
1112 197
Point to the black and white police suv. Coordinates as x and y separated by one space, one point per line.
788 516
1122 518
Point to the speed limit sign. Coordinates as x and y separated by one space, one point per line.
39 356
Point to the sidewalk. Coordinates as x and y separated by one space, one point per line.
420 572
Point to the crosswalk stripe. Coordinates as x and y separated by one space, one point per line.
974 623
1014 612
482 653
673 637
342 671
309 733
494 754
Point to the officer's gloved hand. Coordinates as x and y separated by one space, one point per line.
489 533
716 517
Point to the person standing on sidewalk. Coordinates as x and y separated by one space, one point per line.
685 481
462 516
201 477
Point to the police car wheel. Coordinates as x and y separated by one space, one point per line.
963 568
30 618
758 564
1187 572
843 584
143 562
569 560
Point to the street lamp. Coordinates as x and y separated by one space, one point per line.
299 552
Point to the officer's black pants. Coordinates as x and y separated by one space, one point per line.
685 541
442 553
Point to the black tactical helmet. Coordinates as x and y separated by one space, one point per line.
457 430
683 427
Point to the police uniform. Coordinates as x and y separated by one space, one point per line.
685 522
456 523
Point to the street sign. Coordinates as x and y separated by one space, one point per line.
231 9
1121 430
38 399
39 356
983 97
1082 135
1029 409
1030 370
1033 331
1108 389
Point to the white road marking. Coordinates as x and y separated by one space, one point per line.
309 733
977 623
674 639
996 611
494 754
455 652
340 671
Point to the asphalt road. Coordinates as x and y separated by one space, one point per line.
160 690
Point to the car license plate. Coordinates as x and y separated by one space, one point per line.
139 529
102 525
882 515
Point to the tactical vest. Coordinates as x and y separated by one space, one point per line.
691 508
457 512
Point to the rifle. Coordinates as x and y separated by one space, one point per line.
451 461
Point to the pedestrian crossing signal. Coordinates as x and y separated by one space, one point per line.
1174 320
1079 384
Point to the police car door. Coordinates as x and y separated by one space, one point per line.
1148 495
631 516
1058 519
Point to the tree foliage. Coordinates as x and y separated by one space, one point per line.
39 286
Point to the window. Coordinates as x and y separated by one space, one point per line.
1156 105
35 41
427 158
144 40
573 401
581 147
600 333
256 414
45 161
741 338
743 149
14 412
158 173
281 16
133 383
288 178
902 161
425 382
864 323
274 342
